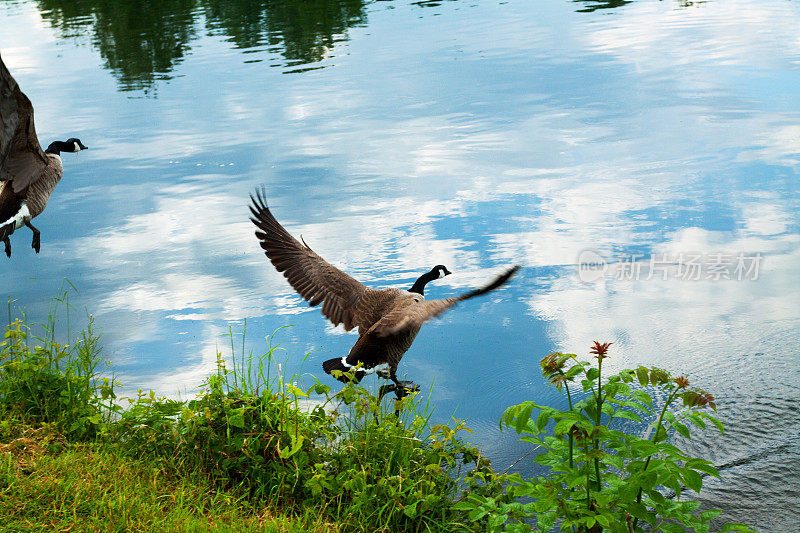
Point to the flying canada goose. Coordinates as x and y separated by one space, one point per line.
28 175
387 319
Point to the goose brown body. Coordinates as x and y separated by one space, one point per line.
28 174
388 319
35 195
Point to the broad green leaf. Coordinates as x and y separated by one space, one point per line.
642 396
611 389
692 480
319 388
603 520
463 506
714 421
296 391
622 413
477 513
697 421
563 426
236 418
287 452
522 417
639 511
680 428
574 371
702 466
542 420
671 481
643 448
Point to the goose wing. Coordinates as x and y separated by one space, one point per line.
410 314
344 299
21 157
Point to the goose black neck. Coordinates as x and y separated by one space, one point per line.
419 285
56 147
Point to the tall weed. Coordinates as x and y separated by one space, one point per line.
369 464
603 474
45 382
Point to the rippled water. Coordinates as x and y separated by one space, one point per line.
397 135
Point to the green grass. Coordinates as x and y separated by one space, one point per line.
48 484
248 453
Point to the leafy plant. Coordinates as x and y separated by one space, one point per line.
52 383
366 464
602 474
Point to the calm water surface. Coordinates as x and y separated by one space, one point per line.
395 135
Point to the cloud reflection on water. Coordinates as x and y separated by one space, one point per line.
475 141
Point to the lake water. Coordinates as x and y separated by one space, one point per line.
657 143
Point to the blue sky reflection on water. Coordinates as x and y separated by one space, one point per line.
470 134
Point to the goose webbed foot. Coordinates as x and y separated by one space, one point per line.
404 388
35 244
386 389
7 243
401 389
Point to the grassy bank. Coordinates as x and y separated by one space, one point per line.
251 452
255 452
51 485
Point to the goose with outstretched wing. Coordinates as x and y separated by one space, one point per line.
28 175
388 319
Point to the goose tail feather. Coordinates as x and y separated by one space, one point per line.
334 364
341 365
7 229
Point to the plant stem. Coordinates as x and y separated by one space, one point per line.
670 398
597 421
571 435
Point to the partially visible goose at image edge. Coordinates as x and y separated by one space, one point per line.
388 319
28 175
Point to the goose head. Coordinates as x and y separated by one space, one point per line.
72 144
437 272
440 271
76 145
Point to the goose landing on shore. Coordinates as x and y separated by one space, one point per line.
28 175
388 320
